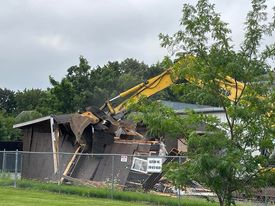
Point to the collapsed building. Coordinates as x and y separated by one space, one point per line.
60 133
70 148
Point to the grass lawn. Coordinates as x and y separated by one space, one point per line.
33 193
66 191
25 197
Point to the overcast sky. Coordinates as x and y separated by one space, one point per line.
39 38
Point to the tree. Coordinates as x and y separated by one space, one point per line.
227 156
27 116
32 99
6 128
7 100
85 86
161 121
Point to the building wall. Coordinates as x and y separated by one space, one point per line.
220 115
37 138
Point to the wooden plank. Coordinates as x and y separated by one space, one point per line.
70 164
55 158
123 141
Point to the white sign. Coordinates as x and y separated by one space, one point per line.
139 165
154 165
123 158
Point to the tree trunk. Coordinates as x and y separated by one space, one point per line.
228 199
221 200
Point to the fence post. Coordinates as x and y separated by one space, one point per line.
113 161
179 161
15 168
4 161
60 157
21 164
265 195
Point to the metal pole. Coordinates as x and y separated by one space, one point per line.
4 162
113 161
179 161
265 194
2 174
59 171
15 168
21 164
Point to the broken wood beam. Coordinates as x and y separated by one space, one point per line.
71 163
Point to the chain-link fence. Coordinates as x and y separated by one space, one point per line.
108 173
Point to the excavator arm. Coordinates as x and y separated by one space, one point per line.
232 88
147 89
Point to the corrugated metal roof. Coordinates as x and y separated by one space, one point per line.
23 124
180 107
63 118
202 110
60 119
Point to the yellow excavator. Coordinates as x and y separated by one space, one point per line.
232 88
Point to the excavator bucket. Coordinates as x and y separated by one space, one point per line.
79 122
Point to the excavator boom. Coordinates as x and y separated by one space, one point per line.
232 87
146 89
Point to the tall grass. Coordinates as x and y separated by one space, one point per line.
85 191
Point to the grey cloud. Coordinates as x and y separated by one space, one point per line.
39 38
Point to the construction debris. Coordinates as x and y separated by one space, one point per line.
90 140
84 134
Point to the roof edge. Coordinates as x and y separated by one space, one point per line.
202 110
23 124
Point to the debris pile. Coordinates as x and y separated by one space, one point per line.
98 133
96 146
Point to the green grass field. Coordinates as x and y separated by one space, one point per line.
23 197
32 193
128 198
